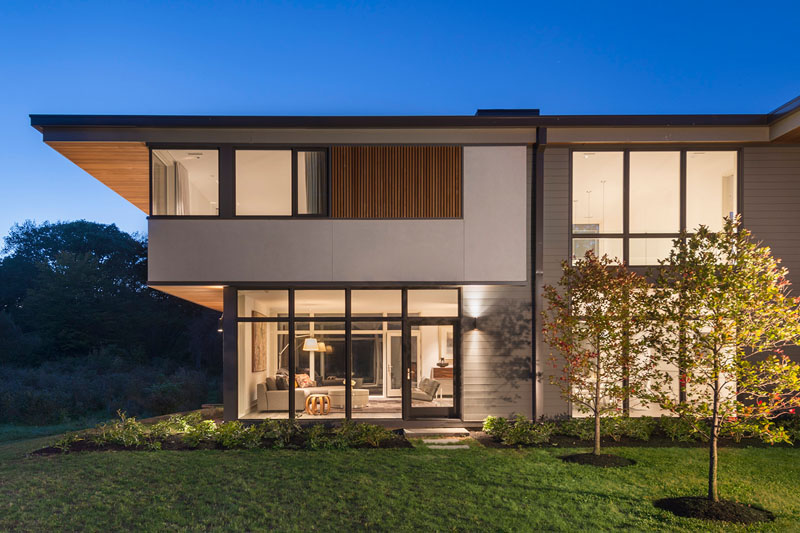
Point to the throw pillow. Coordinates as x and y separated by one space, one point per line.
271 384
303 381
282 382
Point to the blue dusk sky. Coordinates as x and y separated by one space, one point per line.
371 58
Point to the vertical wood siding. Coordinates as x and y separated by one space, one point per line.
396 181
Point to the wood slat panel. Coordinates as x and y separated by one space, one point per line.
124 167
396 181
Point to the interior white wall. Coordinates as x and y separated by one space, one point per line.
264 182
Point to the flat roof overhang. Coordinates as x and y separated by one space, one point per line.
113 148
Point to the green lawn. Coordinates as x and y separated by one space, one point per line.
417 490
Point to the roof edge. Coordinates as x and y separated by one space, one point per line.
41 121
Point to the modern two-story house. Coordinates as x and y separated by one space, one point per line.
390 267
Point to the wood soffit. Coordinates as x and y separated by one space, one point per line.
207 296
124 167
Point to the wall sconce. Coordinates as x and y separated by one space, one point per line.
472 323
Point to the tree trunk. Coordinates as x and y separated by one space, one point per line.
596 450
713 494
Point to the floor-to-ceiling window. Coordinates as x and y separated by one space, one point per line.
632 203
320 343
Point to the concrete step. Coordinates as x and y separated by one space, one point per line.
448 447
445 440
416 433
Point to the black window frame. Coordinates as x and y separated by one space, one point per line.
192 146
405 321
626 235
226 172
295 150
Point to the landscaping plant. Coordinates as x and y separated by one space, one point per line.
595 322
723 315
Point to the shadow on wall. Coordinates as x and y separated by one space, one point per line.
508 329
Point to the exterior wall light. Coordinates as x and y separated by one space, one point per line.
472 323
219 324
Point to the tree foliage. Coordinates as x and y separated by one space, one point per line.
723 315
595 321
70 288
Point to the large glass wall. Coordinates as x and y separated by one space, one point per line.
631 204
305 349
185 182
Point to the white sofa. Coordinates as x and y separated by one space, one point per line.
278 400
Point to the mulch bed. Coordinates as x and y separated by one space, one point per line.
175 443
604 460
723 510
656 441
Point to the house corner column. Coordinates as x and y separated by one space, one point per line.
230 356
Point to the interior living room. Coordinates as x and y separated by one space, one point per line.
319 345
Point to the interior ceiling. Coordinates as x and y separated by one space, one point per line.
207 295
124 167
202 166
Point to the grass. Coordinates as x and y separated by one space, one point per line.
13 432
479 489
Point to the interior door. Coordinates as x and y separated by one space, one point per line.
432 388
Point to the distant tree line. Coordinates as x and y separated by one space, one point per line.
74 300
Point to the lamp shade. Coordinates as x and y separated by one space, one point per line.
310 345
320 346
329 348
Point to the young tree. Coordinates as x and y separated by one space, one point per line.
595 321
724 317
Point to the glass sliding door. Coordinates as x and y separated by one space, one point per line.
433 368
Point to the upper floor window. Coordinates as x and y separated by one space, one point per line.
185 182
631 204
281 182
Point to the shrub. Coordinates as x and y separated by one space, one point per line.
520 431
318 437
201 433
127 431
496 426
579 428
236 435
639 428
97 386
282 433
678 429
66 441
354 434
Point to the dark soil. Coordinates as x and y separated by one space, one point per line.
724 510
604 460
174 443
656 441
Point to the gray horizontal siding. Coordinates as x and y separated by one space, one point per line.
771 202
555 249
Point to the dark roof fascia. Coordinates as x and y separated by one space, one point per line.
430 121
786 109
